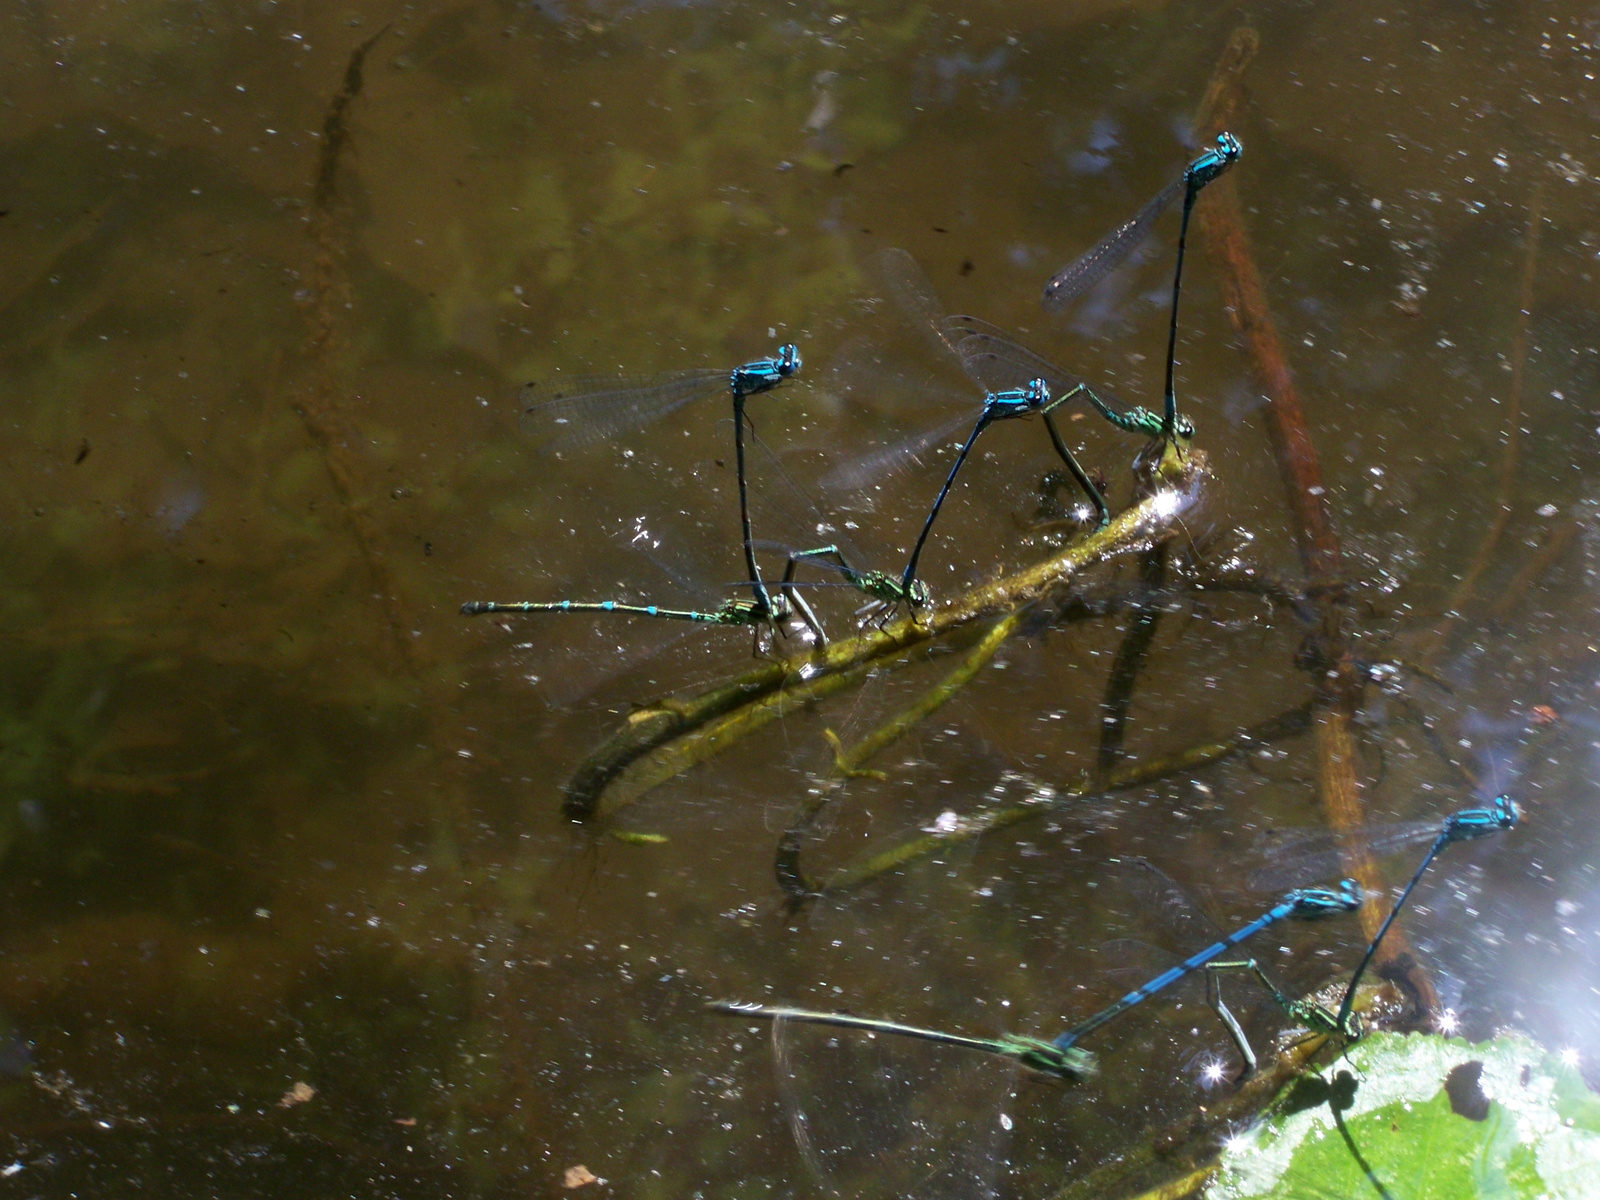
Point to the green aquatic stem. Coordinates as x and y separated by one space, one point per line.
848 764
660 741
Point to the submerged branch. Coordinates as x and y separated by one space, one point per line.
662 740
1287 724
1327 651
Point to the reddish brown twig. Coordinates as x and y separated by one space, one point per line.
1337 681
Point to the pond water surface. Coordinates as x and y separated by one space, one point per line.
290 903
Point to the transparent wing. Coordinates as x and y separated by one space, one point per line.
996 362
1164 901
783 509
889 461
785 549
1067 284
898 274
881 1116
1296 857
588 409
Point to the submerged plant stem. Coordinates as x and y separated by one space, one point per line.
848 763
1294 721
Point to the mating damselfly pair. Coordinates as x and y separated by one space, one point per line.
1061 1057
1014 381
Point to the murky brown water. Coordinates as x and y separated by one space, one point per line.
274 813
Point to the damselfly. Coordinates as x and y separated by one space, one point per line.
1462 826
592 409
909 288
1037 1055
783 504
1176 910
1306 904
1093 265
1060 1057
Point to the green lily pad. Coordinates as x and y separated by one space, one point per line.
1421 1117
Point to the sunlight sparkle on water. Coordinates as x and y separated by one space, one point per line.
1238 1143
1448 1022
1167 503
1569 1057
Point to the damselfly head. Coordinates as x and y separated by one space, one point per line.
1037 392
917 594
788 360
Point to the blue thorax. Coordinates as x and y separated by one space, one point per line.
1476 822
1034 394
1213 162
1310 903
765 373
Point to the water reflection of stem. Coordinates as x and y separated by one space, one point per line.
319 401
1560 539
1328 655
1287 724
320 406
1131 654
661 741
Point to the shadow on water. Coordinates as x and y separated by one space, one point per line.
1313 1091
